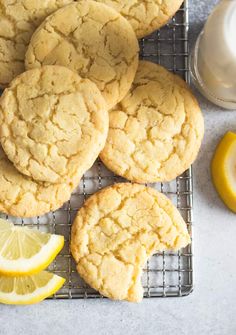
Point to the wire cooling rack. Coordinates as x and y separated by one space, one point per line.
166 274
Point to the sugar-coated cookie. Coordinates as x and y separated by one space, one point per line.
91 39
53 123
23 197
156 130
18 21
117 230
145 16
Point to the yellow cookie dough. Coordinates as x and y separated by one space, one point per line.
22 197
156 130
92 39
53 123
145 16
18 21
117 230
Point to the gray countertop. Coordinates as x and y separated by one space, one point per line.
210 309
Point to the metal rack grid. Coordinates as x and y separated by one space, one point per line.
166 274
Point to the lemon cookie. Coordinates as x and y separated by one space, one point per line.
92 39
23 197
156 130
117 230
145 16
53 123
18 21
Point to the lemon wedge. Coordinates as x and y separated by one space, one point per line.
26 290
223 170
25 251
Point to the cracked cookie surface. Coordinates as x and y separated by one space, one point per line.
156 130
145 16
91 39
18 21
23 197
53 123
115 233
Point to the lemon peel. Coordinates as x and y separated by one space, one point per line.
223 169
27 290
25 251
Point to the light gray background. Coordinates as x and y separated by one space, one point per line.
211 309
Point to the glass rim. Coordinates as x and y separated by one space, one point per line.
200 82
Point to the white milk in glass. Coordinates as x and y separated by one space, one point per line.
213 60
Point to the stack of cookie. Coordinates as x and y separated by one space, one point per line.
85 93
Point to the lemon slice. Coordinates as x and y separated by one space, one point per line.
26 290
223 170
24 251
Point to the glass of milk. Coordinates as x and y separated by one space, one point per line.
213 59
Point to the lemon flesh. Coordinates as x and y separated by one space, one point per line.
25 251
223 169
26 290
